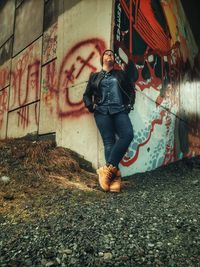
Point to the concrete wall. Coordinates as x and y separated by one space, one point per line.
45 65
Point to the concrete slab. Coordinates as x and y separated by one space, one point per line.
48 101
51 12
3 112
28 24
50 43
82 36
18 2
6 51
5 63
7 14
23 121
5 74
80 135
25 78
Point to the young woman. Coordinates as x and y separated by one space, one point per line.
110 95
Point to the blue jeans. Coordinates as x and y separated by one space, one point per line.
109 126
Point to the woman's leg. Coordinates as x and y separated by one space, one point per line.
106 128
124 130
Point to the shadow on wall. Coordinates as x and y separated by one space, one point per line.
189 132
196 68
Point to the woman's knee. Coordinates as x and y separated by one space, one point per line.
130 135
109 141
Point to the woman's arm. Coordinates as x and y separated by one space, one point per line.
88 94
128 72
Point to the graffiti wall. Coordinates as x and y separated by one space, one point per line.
154 39
45 66
24 89
43 80
79 54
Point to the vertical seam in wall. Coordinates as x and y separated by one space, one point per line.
38 126
112 24
19 4
10 74
14 30
61 126
41 67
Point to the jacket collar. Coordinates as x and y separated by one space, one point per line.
104 72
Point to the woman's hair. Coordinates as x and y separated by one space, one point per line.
101 59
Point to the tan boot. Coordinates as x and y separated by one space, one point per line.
115 185
105 175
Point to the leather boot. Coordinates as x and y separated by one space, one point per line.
115 185
106 174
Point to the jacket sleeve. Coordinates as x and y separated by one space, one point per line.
88 94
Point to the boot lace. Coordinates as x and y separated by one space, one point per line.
110 175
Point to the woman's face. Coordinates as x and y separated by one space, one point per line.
108 58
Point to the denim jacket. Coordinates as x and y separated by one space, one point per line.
93 94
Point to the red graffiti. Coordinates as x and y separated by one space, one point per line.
24 116
3 105
25 82
86 63
49 88
50 79
36 114
32 83
4 77
77 62
153 82
21 96
146 25
69 78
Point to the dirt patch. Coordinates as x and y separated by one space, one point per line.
34 171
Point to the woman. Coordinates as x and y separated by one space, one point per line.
110 96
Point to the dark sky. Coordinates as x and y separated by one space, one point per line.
192 11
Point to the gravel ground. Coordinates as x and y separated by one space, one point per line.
154 221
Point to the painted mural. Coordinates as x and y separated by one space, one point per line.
41 87
154 39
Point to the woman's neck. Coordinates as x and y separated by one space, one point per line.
107 68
